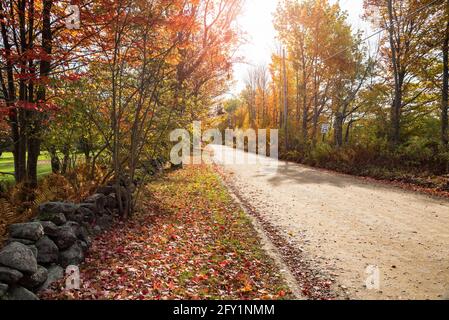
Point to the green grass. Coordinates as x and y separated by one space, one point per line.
7 166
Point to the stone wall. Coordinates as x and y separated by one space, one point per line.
37 253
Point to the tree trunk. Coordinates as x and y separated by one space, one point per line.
445 89
314 127
395 114
55 163
9 92
284 68
305 113
23 95
34 140
396 117
338 129
21 173
298 102
66 159
34 147
304 124
262 116
305 108
348 131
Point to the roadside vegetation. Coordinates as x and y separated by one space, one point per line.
365 105
83 107
187 240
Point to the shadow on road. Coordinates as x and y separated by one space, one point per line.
288 172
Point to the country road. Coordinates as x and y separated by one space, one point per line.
344 224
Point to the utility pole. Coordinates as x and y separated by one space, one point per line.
285 99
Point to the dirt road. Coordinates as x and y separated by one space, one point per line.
344 225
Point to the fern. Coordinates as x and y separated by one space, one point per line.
7 213
7 216
45 193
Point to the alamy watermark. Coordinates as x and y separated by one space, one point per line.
236 147
73 19
72 280
372 282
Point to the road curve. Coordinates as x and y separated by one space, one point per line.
345 225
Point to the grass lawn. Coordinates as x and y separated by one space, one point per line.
7 166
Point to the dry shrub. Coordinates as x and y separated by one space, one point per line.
7 216
84 182
20 203
15 206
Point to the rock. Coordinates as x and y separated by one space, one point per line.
84 236
18 256
72 256
20 293
50 229
75 227
22 241
116 213
89 206
47 251
29 231
65 237
75 216
33 249
105 222
55 273
96 198
10 276
111 201
148 168
99 200
152 167
3 289
57 207
89 228
84 245
58 218
87 210
106 190
35 280
96 230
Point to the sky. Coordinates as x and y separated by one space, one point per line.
256 22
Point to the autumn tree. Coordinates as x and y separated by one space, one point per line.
317 36
160 65
445 83
37 49
406 23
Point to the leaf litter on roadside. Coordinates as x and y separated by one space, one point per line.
188 240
